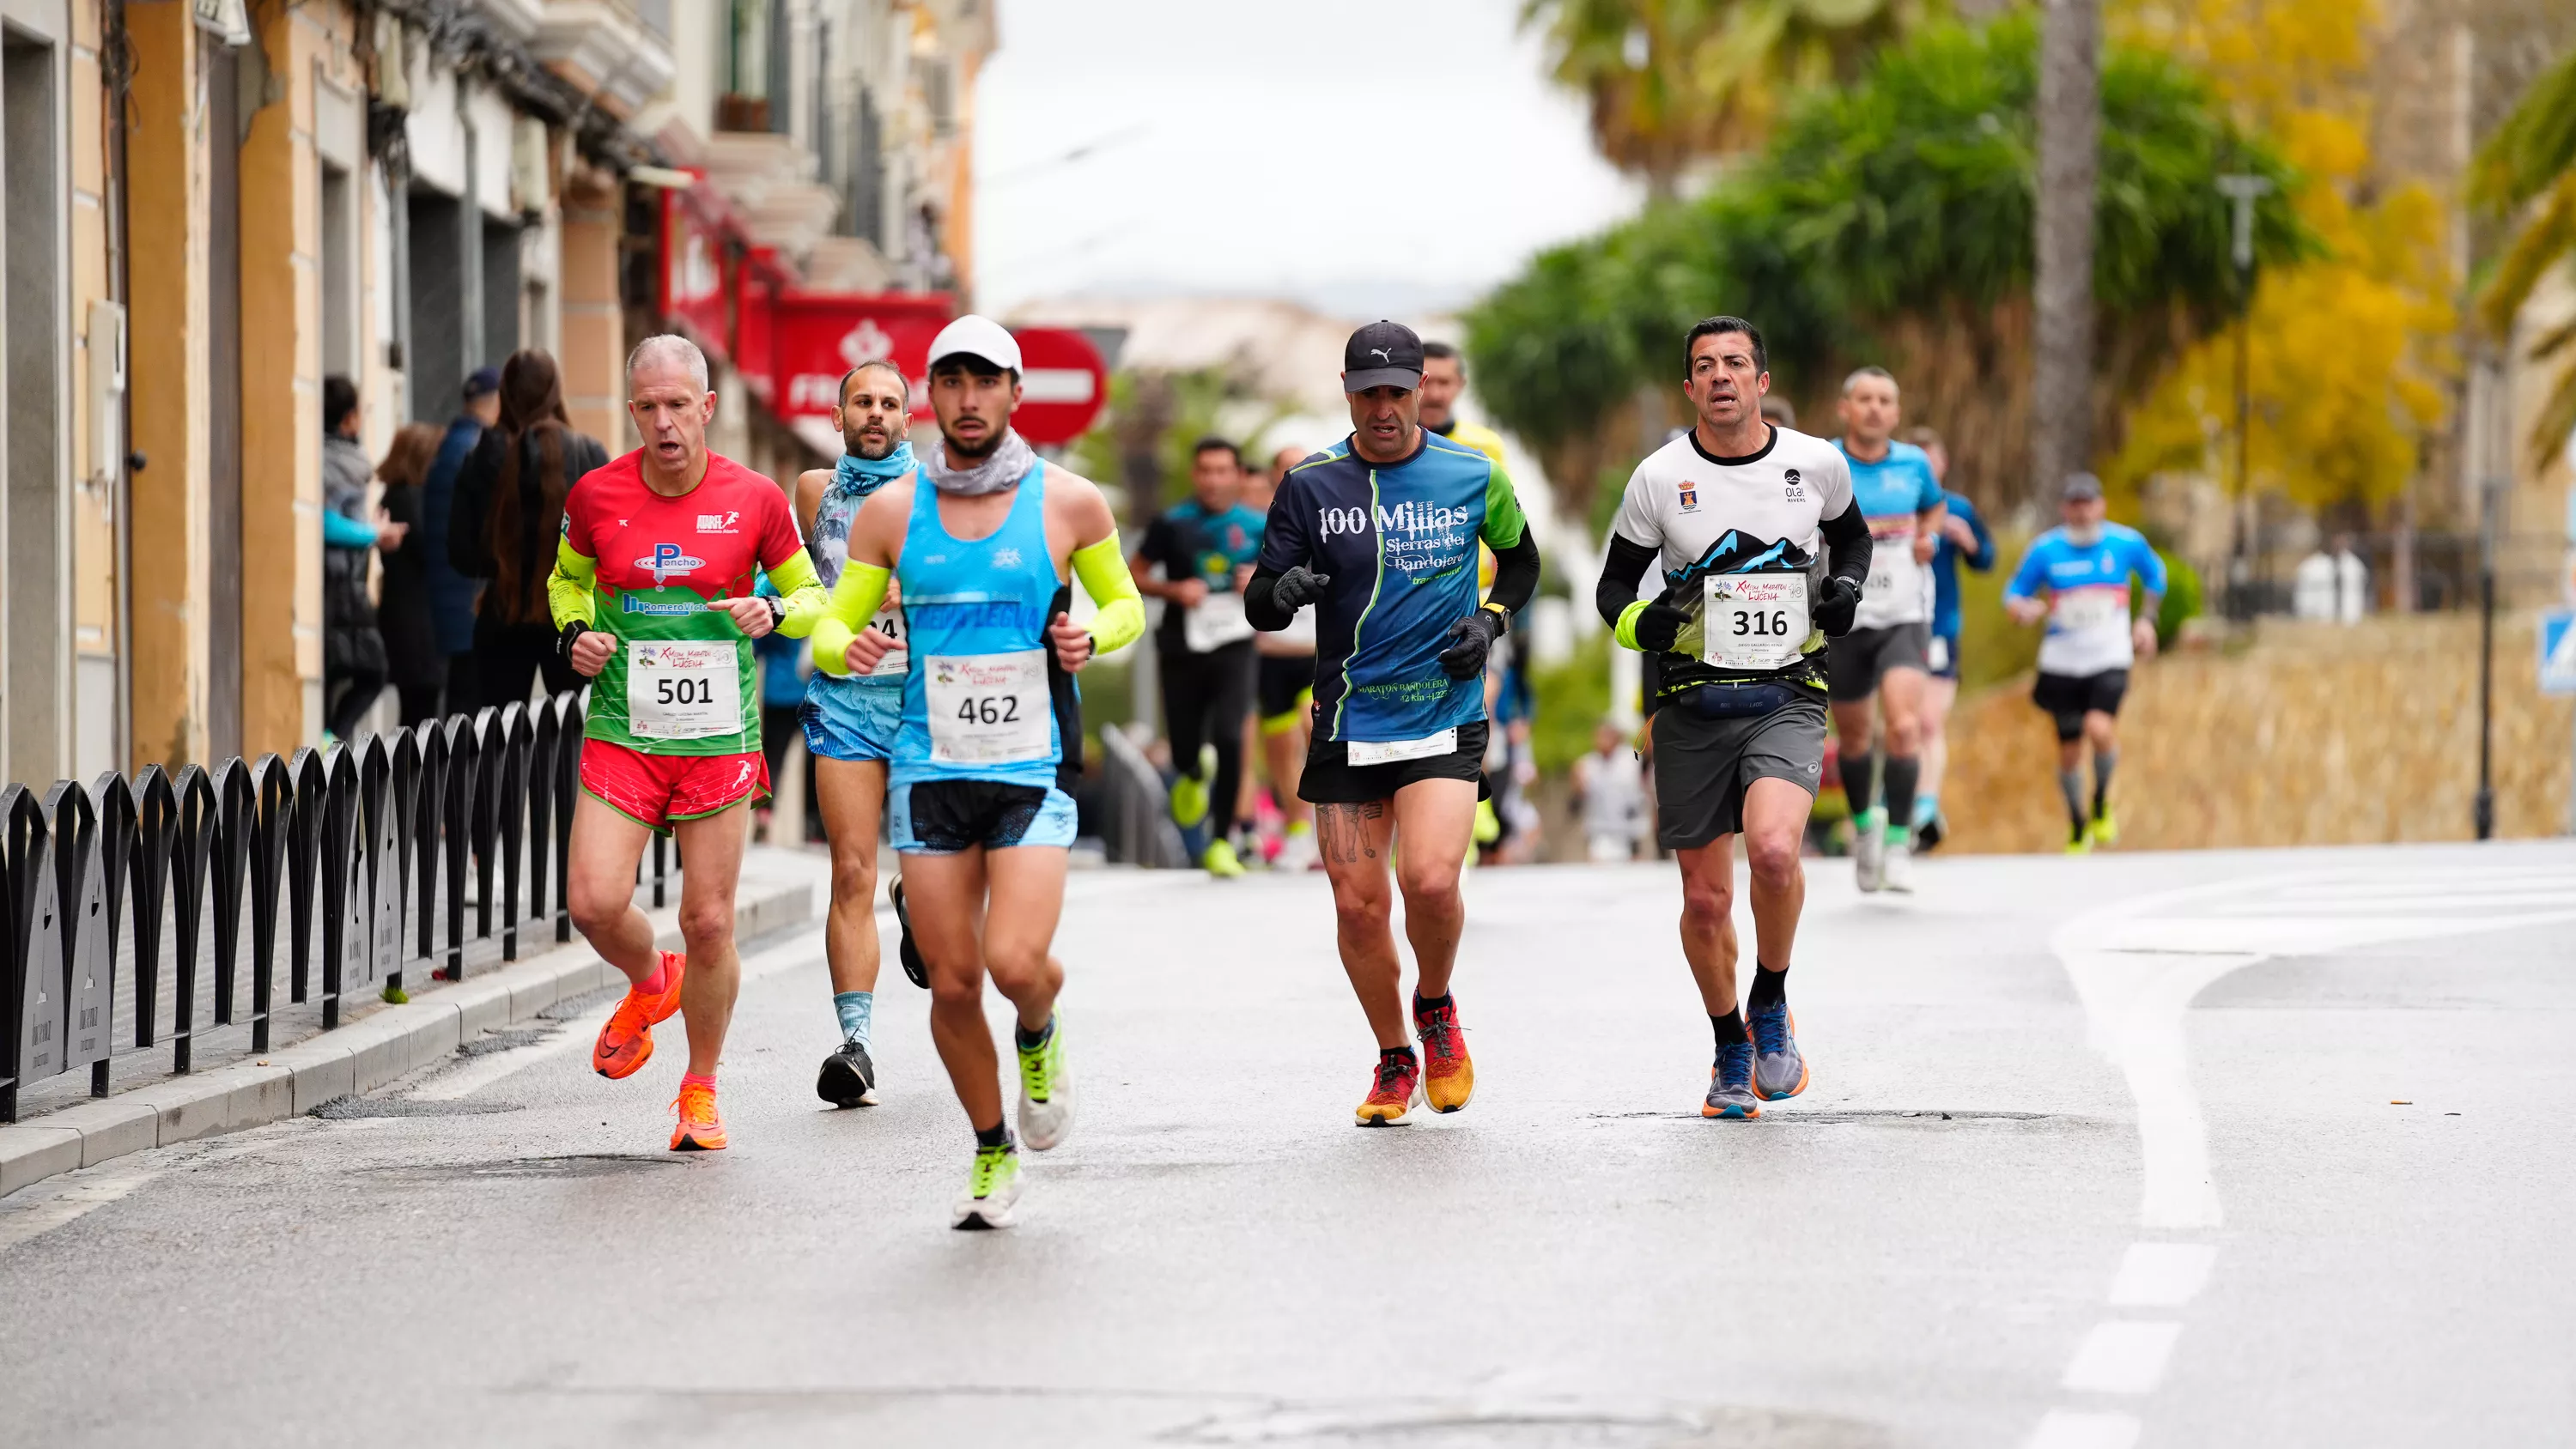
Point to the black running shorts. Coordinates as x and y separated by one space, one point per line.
1856 662
1331 778
2069 697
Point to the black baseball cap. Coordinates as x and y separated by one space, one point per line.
1382 354
2081 488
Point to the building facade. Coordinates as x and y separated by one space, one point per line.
211 207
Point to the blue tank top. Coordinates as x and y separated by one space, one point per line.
976 701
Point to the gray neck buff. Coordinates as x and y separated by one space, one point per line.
1009 462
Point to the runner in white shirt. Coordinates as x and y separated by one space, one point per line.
1741 515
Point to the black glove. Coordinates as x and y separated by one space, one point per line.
1659 626
1470 640
1298 587
1833 613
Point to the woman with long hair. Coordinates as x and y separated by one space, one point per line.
508 512
417 665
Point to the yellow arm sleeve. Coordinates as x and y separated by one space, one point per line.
1103 571
853 606
569 588
802 588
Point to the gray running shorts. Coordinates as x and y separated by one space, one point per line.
1704 766
1856 662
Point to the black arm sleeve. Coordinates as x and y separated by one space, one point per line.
1260 606
1515 575
1847 544
1620 572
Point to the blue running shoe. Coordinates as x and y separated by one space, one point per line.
1779 1068
1730 1084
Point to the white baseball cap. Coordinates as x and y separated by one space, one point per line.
975 336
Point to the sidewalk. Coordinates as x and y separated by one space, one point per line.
62 1127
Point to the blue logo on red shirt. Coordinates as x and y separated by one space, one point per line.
667 560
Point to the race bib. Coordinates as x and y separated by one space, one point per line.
1387 752
1214 622
2079 610
889 622
686 689
1753 621
988 709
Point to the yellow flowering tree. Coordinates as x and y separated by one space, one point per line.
2348 352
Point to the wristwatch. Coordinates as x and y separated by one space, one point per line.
777 610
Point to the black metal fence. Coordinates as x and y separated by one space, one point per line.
357 838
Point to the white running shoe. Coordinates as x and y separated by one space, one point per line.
1869 853
1896 867
1296 852
1046 1091
992 1191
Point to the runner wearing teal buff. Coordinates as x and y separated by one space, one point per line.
850 721
984 556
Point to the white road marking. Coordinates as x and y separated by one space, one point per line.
2122 1356
42 1207
2162 1275
2069 1429
73 1202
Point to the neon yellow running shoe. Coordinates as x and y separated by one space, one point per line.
992 1190
1190 792
2105 831
1489 826
2082 844
1046 1091
1221 861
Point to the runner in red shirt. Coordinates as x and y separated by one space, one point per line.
652 589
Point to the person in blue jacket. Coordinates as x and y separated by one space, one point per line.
1964 540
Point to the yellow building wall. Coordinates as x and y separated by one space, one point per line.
93 512
594 325
166 162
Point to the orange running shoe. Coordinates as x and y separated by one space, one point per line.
1397 1088
1448 1077
700 1129
626 1042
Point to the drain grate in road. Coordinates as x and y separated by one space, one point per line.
347 1109
1509 1428
576 1165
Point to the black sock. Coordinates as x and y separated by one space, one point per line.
1386 1053
1729 1029
1028 1039
1422 1003
1902 775
997 1135
1770 989
2070 783
1859 772
2104 762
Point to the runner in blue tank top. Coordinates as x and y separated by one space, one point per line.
850 722
982 560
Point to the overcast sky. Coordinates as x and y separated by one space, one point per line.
1364 156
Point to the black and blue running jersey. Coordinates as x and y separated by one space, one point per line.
1399 543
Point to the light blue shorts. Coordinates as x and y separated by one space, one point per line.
848 720
944 817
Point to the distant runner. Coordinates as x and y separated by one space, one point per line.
1964 539
1379 532
1884 655
1203 548
984 557
1283 692
652 590
1763 550
850 722
2085 565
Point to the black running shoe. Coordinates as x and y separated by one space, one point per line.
1927 836
848 1078
906 952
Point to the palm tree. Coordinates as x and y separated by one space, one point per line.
2530 162
1672 81
2070 130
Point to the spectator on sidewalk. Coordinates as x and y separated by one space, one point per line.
2332 585
1610 790
353 652
507 516
451 594
413 658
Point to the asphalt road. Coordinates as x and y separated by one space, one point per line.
2159 1150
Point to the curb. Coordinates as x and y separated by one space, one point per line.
355 1058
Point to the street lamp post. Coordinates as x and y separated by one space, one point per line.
2243 190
